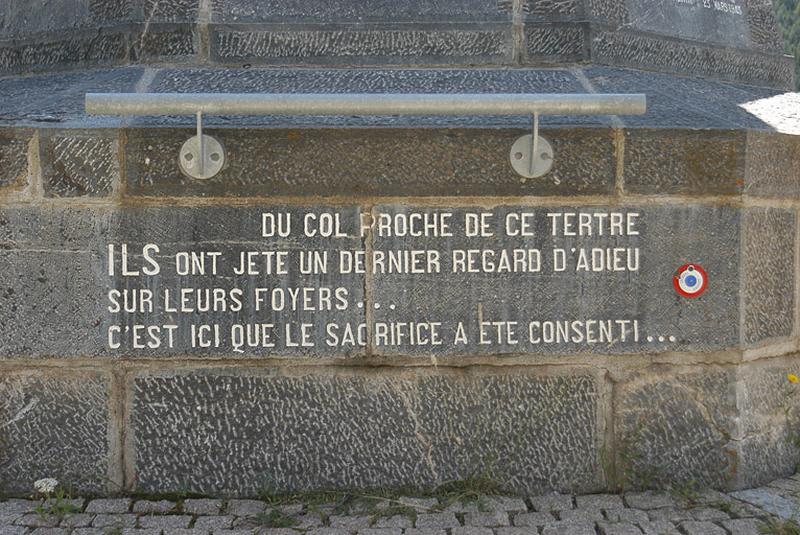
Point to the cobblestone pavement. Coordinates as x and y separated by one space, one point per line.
767 509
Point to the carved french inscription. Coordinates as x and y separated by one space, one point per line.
716 21
422 281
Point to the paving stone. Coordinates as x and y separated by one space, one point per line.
599 501
743 526
245 507
77 520
552 502
618 528
213 522
14 530
109 505
197 506
159 507
649 500
424 531
659 527
16 505
669 514
310 520
490 520
148 531
534 519
516 531
569 528
35 520
770 501
701 528
328 531
290 508
420 504
631 516
50 531
234 532
9 518
436 520
396 521
504 503
471 530
581 515
192 531
165 521
114 521
89 531
380 531
709 514
349 522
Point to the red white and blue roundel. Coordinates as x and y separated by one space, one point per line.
691 281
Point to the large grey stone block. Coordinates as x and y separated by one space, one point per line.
768 273
14 159
380 162
770 416
450 44
20 19
556 43
320 11
102 49
684 162
79 164
54 425
636 50
61 298
241 431
693 21
675 428
668 238
773 165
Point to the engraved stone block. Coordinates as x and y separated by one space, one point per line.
54 425
349 430
83 164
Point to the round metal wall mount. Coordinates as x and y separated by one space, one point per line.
521 152
202 161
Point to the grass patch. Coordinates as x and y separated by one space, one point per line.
781 527
275 519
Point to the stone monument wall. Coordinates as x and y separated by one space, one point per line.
727 39
434 318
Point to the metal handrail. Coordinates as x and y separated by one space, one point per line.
363 104
203 156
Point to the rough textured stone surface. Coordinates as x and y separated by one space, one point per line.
401 430
673 101
354 46
773 165
81 164
643 51
770 416
249 11
13 160
45 253
380 162
768 244
672 162
658 411
53 427
555 43
47 55
666 320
